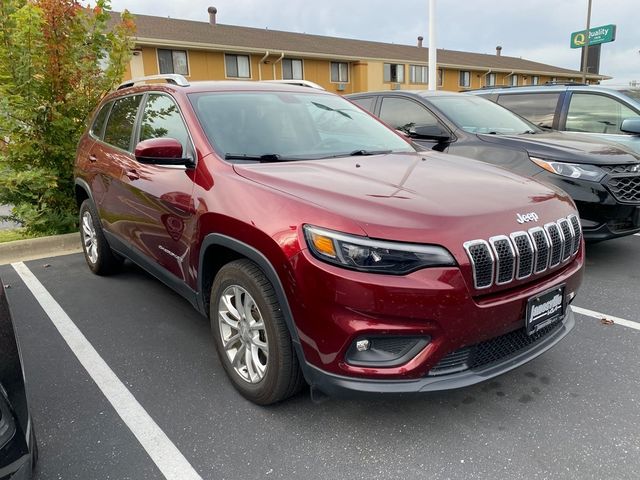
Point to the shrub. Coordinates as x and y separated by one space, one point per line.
57 60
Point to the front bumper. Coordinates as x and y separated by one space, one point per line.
336 385
603 217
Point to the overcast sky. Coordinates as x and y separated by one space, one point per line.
534 29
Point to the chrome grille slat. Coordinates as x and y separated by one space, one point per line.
555 237
567 235
575 223
525 253
482 263
505 258
542 245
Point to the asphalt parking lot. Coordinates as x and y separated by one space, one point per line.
572 413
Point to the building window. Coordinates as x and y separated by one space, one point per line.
465 78
490 79
418 74
393 72
554 79
513 80
440 73
535 80
292 69
237 66
339 72
173 61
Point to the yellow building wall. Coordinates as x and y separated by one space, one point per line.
363 75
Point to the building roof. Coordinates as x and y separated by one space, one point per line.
153 30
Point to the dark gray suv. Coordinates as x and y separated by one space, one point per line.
611 114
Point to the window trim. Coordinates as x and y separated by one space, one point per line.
301 60
172 50
460 84
108 104
135 125
248 55
348 64
426 76
403 65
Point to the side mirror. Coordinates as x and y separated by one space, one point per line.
631 125
161 151
430 132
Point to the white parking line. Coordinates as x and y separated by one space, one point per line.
166 456
616 320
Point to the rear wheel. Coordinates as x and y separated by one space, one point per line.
252 339
97 252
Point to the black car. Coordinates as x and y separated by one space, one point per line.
602 178
18 448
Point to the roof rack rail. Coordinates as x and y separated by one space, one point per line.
300 83
172 78
500 87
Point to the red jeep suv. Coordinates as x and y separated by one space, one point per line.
321 244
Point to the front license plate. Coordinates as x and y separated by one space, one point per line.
544 309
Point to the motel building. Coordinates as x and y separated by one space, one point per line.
208 50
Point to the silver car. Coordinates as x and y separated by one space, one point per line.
608 113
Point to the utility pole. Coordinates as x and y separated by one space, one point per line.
433 72
585 49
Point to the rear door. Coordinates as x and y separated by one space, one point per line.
541 109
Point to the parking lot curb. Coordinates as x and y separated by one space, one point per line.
34 248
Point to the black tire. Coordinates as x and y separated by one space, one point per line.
97 252
282 376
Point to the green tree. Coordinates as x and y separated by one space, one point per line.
58 58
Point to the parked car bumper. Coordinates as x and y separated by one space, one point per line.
342 307
337 385
602 216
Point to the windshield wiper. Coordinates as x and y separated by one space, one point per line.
356 153
265 158
360 153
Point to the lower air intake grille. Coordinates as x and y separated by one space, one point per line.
492 351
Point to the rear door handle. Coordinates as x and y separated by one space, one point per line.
93 158
132 175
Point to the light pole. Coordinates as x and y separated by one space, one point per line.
433 72
585 49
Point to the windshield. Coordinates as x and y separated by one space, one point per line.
274 126
633 93
479 115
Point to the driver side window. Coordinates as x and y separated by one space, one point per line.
596 114
403 114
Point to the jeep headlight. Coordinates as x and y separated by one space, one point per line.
377 256
571 170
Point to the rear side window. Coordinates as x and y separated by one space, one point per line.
162 118
367 103
596 114
403 114
538 108
121 122
99 120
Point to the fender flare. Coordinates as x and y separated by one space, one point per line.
265 265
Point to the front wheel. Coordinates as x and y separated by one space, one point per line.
97 252
252 339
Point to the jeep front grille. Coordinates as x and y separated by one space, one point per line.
505 258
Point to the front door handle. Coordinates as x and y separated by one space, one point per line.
93 158
132 175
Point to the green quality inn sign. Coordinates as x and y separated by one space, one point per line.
603 34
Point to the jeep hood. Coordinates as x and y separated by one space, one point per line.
415 197
566 147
